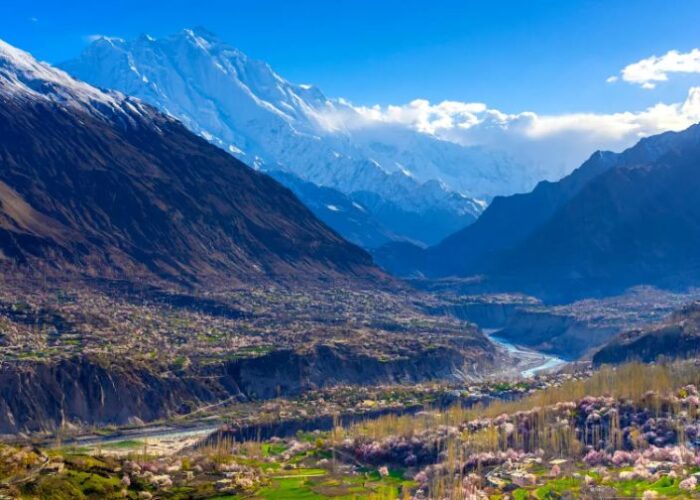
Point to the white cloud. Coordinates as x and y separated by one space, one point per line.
423 116
650 71
555 143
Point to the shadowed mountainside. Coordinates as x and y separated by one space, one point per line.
676 337
104 185
617 221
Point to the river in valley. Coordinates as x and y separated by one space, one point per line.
528 361
522 362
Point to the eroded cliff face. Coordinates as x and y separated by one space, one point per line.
37 395
42 396
554 333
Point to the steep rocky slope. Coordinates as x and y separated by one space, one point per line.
636 223
103 184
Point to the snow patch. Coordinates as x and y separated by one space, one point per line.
481 203
22 75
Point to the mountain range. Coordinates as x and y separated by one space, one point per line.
619 220
414 186
102 184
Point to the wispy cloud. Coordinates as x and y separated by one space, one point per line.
650 71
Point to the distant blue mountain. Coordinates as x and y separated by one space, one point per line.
618 220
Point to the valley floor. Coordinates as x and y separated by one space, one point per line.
630 431
338 393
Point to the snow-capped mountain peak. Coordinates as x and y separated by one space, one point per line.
245 107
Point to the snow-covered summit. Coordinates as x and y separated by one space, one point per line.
194 68
243 105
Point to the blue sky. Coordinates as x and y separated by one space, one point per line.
547 56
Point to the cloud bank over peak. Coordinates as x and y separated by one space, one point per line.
554 143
